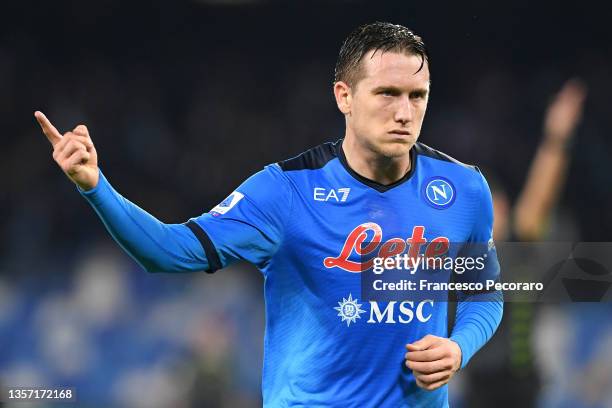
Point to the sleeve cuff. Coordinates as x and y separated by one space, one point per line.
462 343
95 194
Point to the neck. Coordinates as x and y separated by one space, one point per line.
374 166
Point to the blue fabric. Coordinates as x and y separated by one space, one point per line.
156 246
299 228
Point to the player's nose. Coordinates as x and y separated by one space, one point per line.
405 111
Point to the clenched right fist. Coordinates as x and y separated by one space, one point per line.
74 152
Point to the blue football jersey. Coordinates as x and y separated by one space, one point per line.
311 225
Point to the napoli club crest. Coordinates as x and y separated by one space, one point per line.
439 192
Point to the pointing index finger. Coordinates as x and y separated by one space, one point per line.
48 129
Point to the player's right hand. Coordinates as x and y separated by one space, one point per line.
74 152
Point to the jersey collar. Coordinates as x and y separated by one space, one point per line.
371 183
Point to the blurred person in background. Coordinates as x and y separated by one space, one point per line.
285 220
533 212
510 358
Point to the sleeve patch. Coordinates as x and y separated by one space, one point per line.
227 204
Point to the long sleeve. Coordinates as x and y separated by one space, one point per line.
476 320
479 314
156 246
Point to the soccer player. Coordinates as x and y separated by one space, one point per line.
312 223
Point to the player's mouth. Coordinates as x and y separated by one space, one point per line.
400 132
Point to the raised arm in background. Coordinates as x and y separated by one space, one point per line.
548 168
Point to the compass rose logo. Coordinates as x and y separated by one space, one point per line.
349 310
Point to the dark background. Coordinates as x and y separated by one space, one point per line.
186 99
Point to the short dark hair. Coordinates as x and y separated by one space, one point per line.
375 36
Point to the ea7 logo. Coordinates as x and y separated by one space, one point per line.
338 195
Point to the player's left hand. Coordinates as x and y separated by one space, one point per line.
433 360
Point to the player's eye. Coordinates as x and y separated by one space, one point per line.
417 95
388 92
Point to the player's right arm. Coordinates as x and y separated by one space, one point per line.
248 226
156 246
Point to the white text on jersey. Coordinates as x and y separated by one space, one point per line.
339 195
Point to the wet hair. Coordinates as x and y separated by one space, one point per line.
375 36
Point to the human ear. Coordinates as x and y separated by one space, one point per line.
342 92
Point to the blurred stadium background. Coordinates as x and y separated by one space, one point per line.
186 99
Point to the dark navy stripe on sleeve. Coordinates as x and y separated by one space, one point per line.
214 263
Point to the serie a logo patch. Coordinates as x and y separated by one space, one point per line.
439 192
227 204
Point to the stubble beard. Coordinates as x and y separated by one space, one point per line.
390 150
